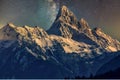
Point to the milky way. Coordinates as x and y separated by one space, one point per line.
98 13
28 12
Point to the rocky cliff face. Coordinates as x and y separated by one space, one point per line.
67 25
69 48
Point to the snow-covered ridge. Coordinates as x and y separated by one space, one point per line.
41 38
11 32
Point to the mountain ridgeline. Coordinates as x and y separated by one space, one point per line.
69 48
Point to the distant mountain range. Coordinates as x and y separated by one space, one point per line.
69 48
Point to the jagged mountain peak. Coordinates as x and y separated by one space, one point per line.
97 30
25 26
67 26
64 9
10 31
65 23
83 22
66 16
33 32
10 25
83 25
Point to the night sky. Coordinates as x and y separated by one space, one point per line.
98 13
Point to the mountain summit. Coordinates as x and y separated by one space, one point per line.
67 25
69 48
64 23
65 15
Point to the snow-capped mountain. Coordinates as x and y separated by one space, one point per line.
69 48
67 25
